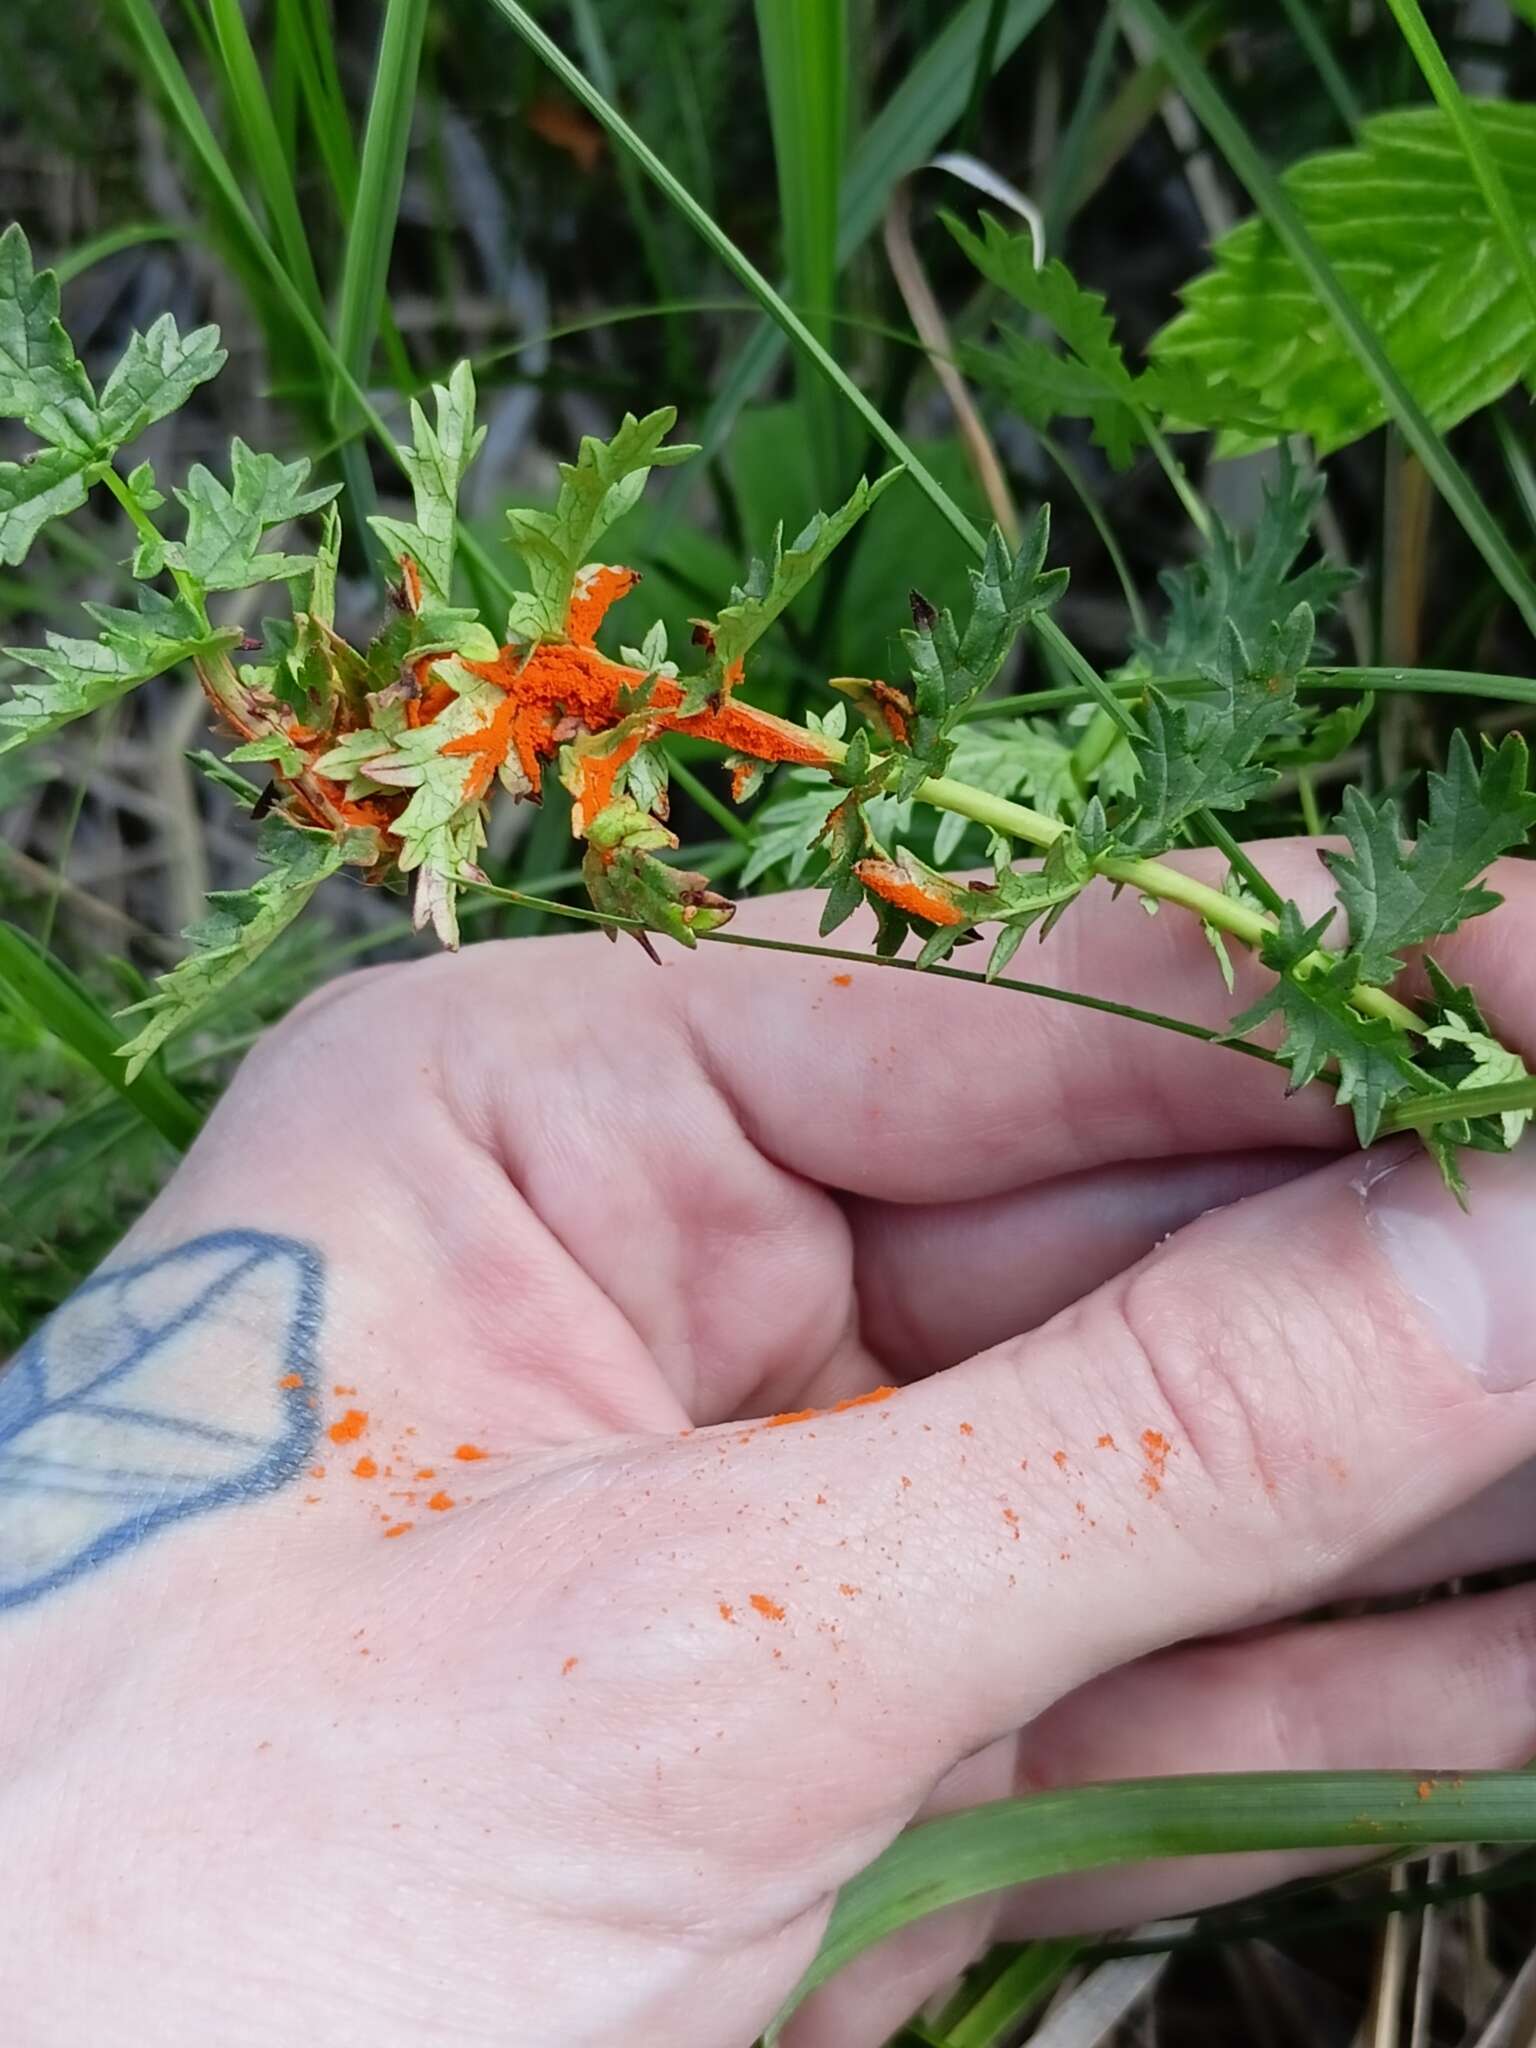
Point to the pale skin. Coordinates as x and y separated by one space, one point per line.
583 1754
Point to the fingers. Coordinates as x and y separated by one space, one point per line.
939 1282
1258 1409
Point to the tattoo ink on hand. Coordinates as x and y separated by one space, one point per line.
160 1390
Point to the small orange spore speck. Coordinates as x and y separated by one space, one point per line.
398 1528
349 1428
770 1610
468 1453
291 1379
440 1502
365 1468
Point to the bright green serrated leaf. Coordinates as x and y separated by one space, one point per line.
226 522
774 581
1398 897
1488 1063
157 372
241 924
85 674
52 482
1252 584
42 380
1092 382
436 464
1402 221
599 487
1371 1058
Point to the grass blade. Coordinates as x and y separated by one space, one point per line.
1311 35
1442 83
906 132
804 46
381 176
1091 1827
67 1009
1199 88
264 152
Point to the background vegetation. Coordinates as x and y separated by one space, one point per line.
361 194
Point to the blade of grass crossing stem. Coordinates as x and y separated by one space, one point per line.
907 130
371 239
52 995
1016 1841
804 46
1441 81
251 110
1205 98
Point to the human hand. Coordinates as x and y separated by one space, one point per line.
412 1632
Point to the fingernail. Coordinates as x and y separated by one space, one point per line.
1473 1270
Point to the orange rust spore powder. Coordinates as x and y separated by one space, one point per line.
842 981
365 1468
399 1528
770 1610
440 1502
349 1428
1155 1448
888 881
470 1452
291 1379
793 1415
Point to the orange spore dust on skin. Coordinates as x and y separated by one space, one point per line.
440 1502
1106 1443
770 1610
426 1472
342 1392
791 1415
399 1528
727 1611
967 1429
1155 1448
469 1453
1059 1460
349 1428
365 1468
569 1666
317 1471
291 1379
842 981
850 1592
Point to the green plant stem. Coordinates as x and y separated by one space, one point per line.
147 530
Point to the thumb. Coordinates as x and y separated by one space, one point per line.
1276 1394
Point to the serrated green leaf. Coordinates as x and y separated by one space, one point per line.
85 674
1398 897
226 522
1488 1062
42 380
1372 1059
52 482
1403 223
1252 584
436 464
774 581
950 669
784 833
599 487
241 924
1092 382
157 372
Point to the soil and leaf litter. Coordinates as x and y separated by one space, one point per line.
383 758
